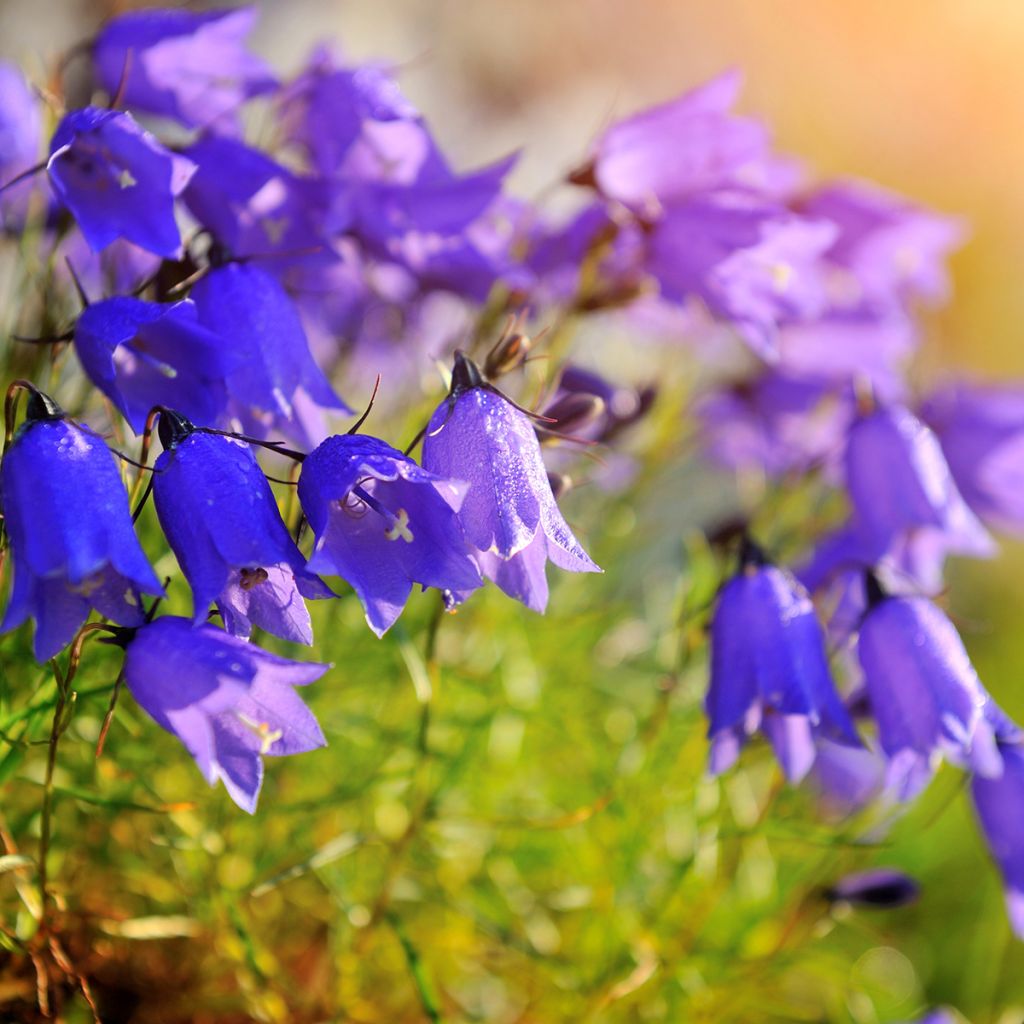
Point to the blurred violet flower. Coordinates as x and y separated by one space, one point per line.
70 529
141 354
192 67
924 693
117 269
20 141
230 703
883 888
674 150
254 206
258 320
509 514
383 524
117 180
981 431
846 779
753 264
769 670
221 520
892 250
998 800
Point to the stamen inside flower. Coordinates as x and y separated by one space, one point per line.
398 522
251 577
268 737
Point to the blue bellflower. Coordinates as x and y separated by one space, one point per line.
73 544
141 354
998 801
117 180
924 692
230 703
383 524
509 514
221 520
769 671
20 138
278 385
192 67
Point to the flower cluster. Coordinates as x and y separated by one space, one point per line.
246 288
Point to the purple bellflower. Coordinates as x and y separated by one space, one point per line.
688 145
66 514
769 670
117 180
255 316
924 693
141 354
230 703
998 802
183 65
981 430
221 520
879 887
383 524
20 138
509 514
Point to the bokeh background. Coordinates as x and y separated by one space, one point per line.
571 862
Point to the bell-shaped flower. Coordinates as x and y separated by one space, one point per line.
690 144
117 180
924 693
254 206
981 430
769 671
509 514
999 802
20 138
753 264
141 354
190 66
900 484
70 528
222 523
230 703
383 524
277 385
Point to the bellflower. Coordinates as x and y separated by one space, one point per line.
753 264
981 430
73 545
878 887
141 354
222 523
998 801
924 693
20 138
230 703
256 317
769 671
383 524
688 145
117 180
189 66
899 483
509 514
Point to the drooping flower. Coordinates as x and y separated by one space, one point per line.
674 150
222 523
509 514
193 67
66 514
878 887
277 384
117 180
383 524
141 354
924 692
20 138
981 430
998 801
230 703
769 671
